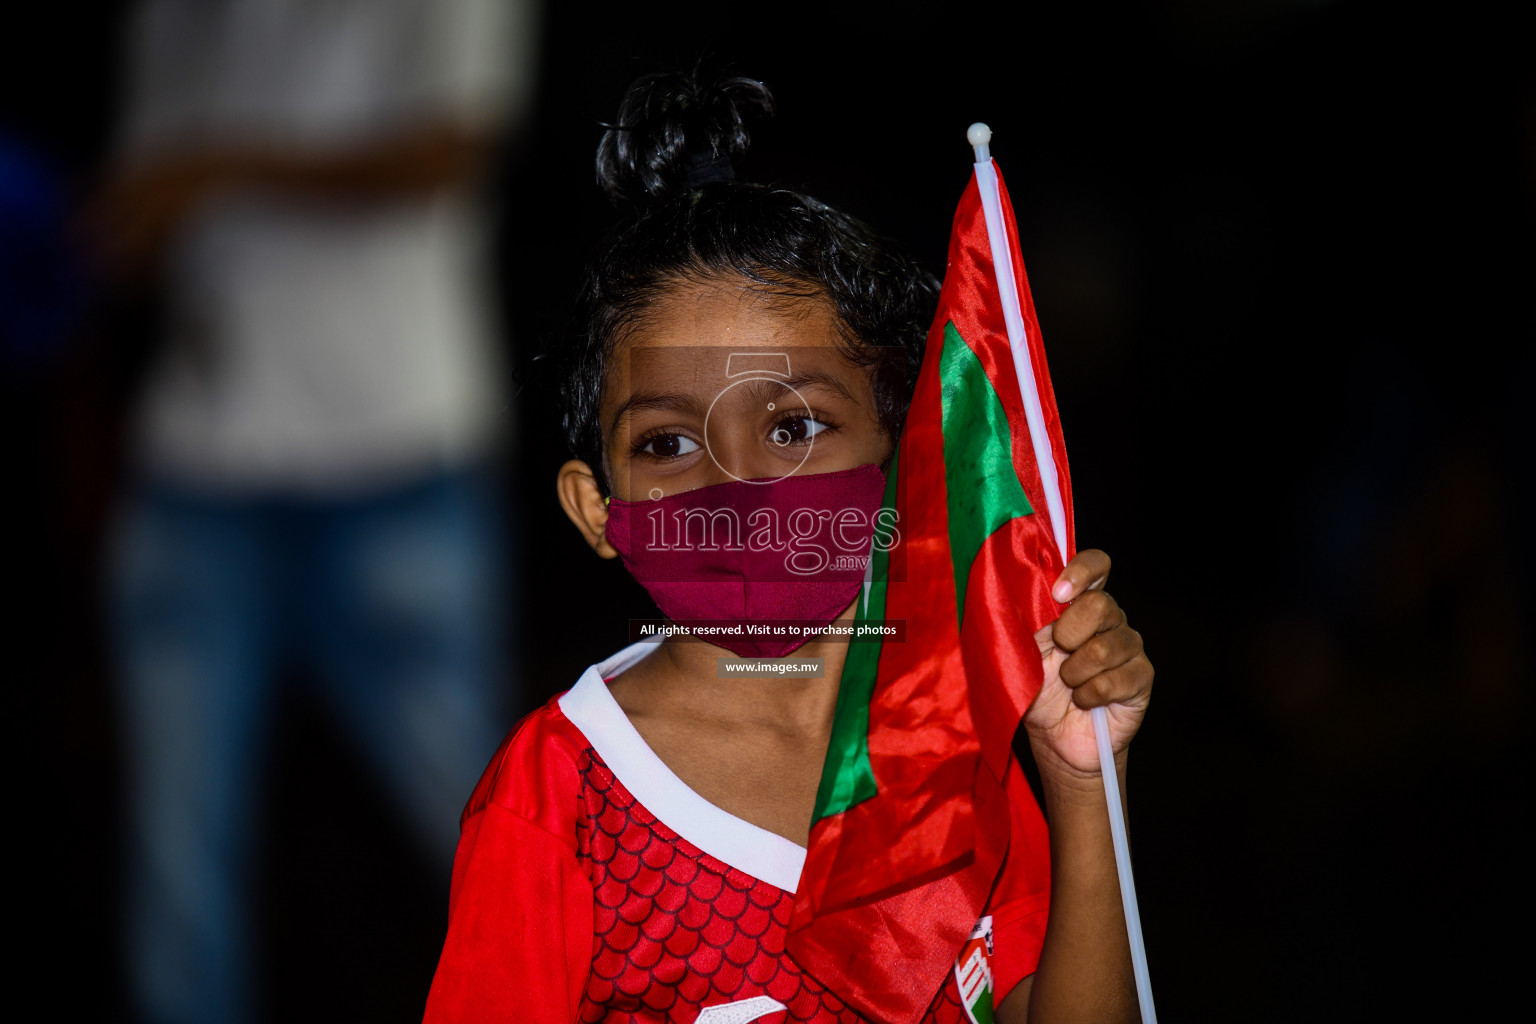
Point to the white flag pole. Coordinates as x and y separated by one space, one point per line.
980 138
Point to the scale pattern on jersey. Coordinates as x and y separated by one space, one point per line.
676 929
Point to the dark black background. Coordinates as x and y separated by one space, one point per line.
1281 252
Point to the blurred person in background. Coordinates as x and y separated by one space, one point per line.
314 447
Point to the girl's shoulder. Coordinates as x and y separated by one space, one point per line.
537 772
534 772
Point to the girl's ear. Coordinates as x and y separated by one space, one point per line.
583 501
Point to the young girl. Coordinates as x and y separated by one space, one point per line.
632 851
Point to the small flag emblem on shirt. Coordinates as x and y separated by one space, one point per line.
973 973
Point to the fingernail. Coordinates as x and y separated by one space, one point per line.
1063 591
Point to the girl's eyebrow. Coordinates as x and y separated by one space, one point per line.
690 405
767 387
669 401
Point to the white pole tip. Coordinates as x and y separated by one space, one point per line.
978 134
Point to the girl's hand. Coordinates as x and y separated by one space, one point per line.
1092 658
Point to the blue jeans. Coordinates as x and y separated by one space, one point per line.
393 605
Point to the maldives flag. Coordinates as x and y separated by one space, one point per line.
911 821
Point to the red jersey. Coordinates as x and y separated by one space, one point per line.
592 884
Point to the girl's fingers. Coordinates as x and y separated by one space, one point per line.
1094 613
1103 653
1088 571
1126 684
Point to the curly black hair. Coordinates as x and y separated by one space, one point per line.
667 160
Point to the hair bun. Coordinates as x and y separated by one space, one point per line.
676 132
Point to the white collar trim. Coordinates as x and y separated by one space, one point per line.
591 708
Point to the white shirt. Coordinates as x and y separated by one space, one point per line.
313 346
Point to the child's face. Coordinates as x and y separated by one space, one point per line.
723 382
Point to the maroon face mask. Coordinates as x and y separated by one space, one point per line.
779 559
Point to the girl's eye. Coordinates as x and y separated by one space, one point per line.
796 430
669 446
